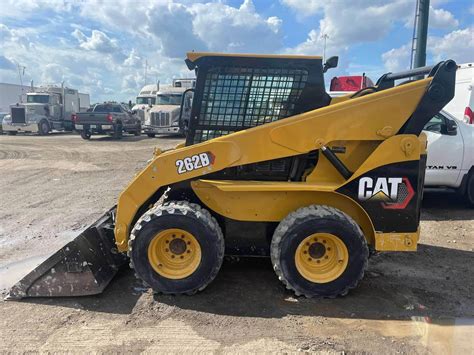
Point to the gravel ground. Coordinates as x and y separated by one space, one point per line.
51 187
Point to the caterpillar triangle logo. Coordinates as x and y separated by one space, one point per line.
393 192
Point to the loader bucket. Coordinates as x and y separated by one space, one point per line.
82 267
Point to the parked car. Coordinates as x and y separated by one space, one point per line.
462 104
107 118
450 154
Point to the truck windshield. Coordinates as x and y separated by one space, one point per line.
39 99
145 100
164 99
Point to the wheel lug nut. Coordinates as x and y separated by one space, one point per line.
188 251
305 252
167 250
318 261
182 257
189 243
324 241
182 236
309 259
307 243
172 256
329 249
326 257
167 241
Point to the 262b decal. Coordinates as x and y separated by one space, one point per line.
194 162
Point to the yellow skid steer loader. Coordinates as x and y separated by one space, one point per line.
272 166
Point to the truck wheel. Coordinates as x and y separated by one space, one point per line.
118 131
138 132
12 133
176 248
470 189
319 251
86 134
43 128
151 135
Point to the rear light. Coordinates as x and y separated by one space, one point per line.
109 117
74 118
468 115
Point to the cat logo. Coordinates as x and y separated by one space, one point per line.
393 193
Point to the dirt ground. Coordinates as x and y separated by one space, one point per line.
51 187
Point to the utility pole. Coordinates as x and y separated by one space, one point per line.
324 37
420 34
21 73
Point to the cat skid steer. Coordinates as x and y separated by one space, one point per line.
272 166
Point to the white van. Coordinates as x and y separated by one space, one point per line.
462 105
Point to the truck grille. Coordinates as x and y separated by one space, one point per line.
160 119
18 115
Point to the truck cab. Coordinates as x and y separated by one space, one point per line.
167 116
450 154
46 109
146 99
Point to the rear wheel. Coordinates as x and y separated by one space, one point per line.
176 248
319 251
12 133
118 131
43 128
86 134
151 135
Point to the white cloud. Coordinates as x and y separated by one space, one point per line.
440 18
133 59
226 28
397 59
6 64
457 45
98 41
305 7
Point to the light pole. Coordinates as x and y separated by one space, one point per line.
324 37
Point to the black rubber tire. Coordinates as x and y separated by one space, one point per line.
138 132
190 217
151 135
118 131
470 189
12 133
298 225
43 128
86 134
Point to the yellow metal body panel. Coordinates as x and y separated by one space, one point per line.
358 119
192 56
397 241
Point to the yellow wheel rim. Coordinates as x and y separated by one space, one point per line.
174 253
321 257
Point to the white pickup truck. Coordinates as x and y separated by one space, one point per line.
450 155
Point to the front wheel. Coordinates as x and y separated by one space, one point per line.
470 189
43 128
176 248
86 135
138 132
151 135
12 133
319 251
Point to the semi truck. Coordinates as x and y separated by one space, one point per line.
46 109
171 112
145 100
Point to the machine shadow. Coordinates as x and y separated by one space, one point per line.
397 286
442 205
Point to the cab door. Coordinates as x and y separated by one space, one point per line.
445 151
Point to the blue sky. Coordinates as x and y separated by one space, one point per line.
100 47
